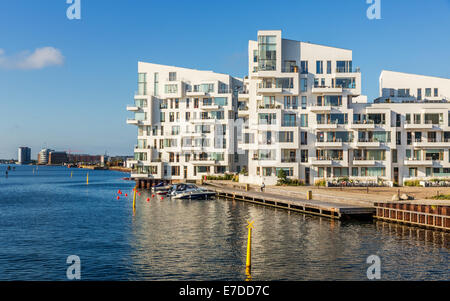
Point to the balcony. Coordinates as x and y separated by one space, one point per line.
270 90
363 162
329 144
195 93
368 143
132 108
424 126
326 89
322 162
211 106
414 162
364 125
432 143
347 70
320 109
330 125
243 95
243 111
133 121
204 162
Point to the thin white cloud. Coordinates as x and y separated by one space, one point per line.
26 60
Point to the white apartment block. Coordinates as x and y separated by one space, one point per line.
184 119
302 112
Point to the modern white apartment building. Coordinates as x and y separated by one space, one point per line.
185 121
302 112
419 109
299 102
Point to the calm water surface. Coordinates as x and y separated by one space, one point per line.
47 215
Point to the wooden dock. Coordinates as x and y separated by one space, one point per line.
320 208
422 215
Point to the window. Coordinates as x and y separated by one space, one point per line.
304 84
319 67
304 120
419 94
398 139
373 171
156 84
304 156
436 92
343 66
304 67
295 102
221 101
162 117
304 103
142 83
267 53
328 67
417 119
255 56
427 92
170 89
394 156
304 138
289 120
172 76
267 118
354 171
284 137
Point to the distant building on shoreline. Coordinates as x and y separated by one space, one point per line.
24 155
57 158
42 158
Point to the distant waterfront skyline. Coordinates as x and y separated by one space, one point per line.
65 84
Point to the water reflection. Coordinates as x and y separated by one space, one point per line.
207 240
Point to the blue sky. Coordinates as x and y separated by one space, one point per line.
65 83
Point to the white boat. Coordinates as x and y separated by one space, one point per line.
192 192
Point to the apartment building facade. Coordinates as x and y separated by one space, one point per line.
185 121
299 110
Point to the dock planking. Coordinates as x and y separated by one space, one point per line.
320 208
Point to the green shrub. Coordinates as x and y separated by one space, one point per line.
412 183
322 183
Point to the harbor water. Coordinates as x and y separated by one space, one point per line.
50 213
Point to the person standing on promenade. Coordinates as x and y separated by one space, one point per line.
262 187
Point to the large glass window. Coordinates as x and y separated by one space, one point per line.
304 67
347 83
221 101
142 84
267 118
343 66
319 67
304 84
289 120
267 48
373 171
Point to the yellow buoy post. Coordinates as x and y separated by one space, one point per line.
248 264
134 199
87 179
71 173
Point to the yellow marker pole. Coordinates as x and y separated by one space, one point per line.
248 264
87 179
134 199
71 173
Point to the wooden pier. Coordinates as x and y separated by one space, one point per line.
428 216
320 208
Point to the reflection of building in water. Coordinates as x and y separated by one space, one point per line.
439 238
